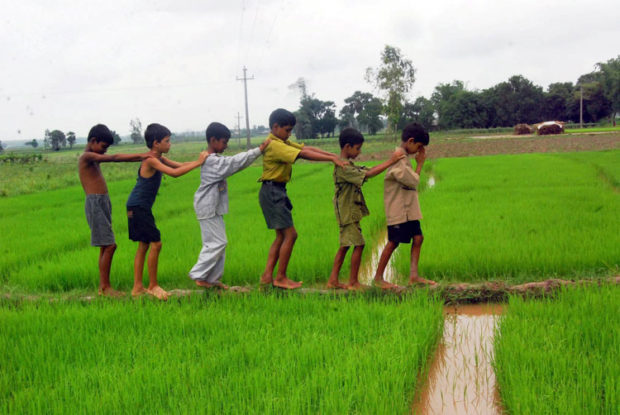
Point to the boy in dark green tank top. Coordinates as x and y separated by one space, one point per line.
142 227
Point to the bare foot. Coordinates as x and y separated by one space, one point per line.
286 283
220 285
204 284
110 292
336 285
158 292
419 280
384 285
266 280
356 286
138 291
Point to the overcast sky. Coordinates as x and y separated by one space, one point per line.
71 64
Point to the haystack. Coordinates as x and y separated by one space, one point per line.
523 129
550 127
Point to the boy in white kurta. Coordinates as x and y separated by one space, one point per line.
211 203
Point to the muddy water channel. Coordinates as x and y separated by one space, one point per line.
461 379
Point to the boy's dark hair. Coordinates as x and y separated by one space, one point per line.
217 130
415 131
351 137
155 132
282 117
101 133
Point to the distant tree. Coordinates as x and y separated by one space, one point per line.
1 147
46 139
421 111
34 143
610 81
315 117
136 130
442 100
516 101
595 104
395 77
117 138
362 110
369 118
71 138
57 139
558 102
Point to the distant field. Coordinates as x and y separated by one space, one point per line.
254 354
561 355
593 130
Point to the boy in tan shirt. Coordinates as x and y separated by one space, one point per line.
402 208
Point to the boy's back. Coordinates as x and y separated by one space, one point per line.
400 194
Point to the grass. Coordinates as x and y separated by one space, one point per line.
254 354
521 217
593 130
560 355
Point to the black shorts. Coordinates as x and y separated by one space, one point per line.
142 225
404 232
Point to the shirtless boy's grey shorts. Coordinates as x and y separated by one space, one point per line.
276 205
99 217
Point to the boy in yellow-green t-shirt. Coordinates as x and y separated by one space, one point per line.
350 206
278 159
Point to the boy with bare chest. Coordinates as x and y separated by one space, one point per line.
98 208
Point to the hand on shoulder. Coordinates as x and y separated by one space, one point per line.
264 144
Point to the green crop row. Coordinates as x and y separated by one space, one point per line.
254 354
561 355
520 217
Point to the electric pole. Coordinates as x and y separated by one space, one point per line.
245 80
239 128
581 107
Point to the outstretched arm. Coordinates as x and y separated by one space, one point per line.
397 155
177 171
318 150
105 158
310 154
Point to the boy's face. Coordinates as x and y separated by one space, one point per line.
99 147
412 147
282 132
162 146
352 151
219 144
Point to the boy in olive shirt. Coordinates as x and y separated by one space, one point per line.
350 206
278 159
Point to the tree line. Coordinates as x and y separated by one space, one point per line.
453 105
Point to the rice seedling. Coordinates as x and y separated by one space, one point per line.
560 355
231 354
520 217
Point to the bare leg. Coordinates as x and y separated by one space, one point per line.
281 280
414 277
338 260
383 261
272 258
154 288
356 260
138 268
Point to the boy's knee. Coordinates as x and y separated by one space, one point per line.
418 239
109 249
156 246
290 234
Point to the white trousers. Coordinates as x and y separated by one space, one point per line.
210 265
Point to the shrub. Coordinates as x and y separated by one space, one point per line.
522 129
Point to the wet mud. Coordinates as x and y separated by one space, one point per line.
461 379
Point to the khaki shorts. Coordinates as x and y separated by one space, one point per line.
351 235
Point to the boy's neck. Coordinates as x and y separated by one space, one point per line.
211 150
156 153
344 155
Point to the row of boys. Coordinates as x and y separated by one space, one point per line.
211 201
